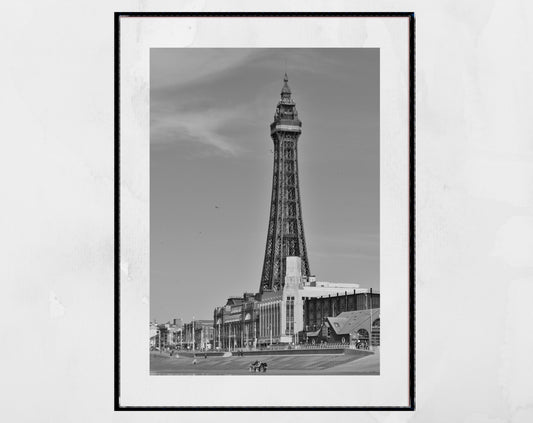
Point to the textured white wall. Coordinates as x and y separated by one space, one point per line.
474 210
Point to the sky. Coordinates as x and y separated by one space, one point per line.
211 169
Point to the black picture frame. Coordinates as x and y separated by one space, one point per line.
412 241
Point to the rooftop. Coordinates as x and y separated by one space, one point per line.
351 321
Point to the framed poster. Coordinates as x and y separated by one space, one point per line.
232 129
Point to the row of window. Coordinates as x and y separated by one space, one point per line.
289 326
269 324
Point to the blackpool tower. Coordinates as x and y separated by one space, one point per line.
285 227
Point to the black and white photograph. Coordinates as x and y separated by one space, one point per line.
266 211
255 145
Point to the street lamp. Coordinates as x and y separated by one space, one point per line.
193 333
370 340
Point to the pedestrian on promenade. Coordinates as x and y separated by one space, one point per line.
194 361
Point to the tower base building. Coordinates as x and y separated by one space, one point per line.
284 317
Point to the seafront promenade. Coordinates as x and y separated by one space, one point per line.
345 362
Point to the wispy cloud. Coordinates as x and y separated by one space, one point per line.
192 65
197 127
191 102
203 97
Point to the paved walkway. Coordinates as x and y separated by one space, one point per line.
341 364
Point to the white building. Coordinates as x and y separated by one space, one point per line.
281 314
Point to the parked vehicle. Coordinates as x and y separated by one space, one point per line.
361 345
258 366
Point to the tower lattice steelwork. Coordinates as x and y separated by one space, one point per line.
285 228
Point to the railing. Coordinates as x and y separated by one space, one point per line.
266 349
336 345
323 346
364 345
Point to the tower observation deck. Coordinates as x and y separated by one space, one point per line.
285 235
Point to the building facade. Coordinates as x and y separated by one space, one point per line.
165 334
285 316
198 335
355 326
317 309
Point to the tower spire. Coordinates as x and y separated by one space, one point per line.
285 91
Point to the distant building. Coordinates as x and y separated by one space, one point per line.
154 334
178 323
165 334
198 335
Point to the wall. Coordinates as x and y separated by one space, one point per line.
474 225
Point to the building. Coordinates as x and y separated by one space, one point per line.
285 316
165 334
236 323
285 236
290 302
348 327
317 309
154 335
198 335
